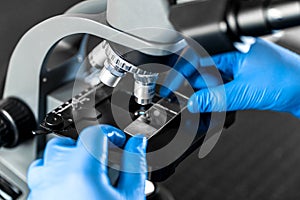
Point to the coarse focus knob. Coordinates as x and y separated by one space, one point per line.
4 130
16 122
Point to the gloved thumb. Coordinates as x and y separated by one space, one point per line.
93 145
134 168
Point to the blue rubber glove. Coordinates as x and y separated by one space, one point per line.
265 78
70 170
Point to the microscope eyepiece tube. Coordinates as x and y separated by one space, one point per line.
262 19
284 14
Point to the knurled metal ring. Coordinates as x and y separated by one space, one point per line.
116 60
146 79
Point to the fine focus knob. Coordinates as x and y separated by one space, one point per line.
16 122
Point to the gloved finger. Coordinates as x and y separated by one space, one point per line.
115 136
36 163
134 167
56 148
228 63
92 146
209 77
33 175
229 97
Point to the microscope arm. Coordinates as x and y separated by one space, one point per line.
48 33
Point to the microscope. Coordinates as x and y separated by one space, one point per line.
104 62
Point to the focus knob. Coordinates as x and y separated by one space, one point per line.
16 122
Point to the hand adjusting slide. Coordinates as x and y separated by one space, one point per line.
77 171
265 78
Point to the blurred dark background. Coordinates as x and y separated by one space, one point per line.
17 17
257 158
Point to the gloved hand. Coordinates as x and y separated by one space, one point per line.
265 78
78 171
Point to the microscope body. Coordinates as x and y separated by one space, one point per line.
43 87
44 69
